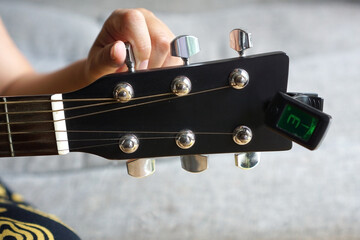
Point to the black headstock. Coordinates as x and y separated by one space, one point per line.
212 110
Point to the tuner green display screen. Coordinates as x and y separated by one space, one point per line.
297 122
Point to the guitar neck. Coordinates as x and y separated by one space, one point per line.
27 126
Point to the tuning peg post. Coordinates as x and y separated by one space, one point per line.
240 41
185 46
130 59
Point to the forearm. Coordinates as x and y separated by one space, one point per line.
67 79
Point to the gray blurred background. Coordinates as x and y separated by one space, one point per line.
291 195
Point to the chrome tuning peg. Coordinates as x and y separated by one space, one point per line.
194 163
130 59
140 168
240 40
247 160
185 46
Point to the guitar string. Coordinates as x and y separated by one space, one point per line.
119 108
77 148
110 101
68 109
49 101
78 99
59 110
109 131
115 139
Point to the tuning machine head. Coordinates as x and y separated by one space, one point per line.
130 59
140 168
240 41
194 163
247 160
185 46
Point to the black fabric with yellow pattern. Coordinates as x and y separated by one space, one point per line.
20 221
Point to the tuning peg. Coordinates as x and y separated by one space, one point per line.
240 40
194 163
247 160
129 59
142 167
185 46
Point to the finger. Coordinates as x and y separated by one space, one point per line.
172 61
122 68
107 59
130 26
161 37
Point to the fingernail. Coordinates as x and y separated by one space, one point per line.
113 51
143 65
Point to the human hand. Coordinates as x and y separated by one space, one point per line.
150 39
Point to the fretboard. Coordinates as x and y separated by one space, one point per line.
27 127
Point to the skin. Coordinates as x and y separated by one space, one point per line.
150 39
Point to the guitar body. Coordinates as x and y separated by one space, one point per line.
212 110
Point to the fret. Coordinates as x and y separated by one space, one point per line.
12 153
29 121
4 140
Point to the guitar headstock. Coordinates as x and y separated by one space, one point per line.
188 111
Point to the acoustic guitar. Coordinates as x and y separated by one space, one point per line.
237 105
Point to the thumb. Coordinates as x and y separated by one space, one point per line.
106 60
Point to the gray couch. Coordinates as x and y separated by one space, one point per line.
291 195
